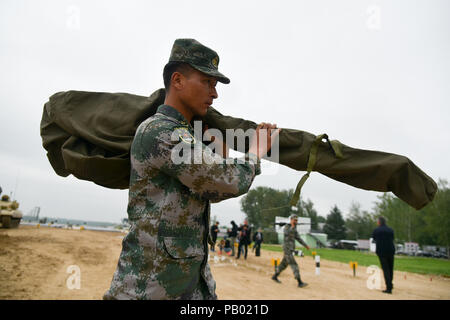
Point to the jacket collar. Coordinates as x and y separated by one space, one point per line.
173 113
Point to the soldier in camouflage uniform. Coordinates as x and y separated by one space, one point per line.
290 235
165 253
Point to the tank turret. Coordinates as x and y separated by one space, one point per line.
10 216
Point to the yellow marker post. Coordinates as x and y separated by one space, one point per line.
354 265
275 263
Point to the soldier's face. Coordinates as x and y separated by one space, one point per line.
198 92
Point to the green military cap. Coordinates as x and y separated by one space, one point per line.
198 56
293 216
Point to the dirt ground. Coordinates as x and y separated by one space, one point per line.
34 264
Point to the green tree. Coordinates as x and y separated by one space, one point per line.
360 224
408 223
335 225
306 209
437 215
262 204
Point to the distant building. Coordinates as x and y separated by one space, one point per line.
363 245
429 248
411 248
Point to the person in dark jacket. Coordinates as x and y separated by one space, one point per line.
383 236
249 232
232 236
258 239
244 241
214 231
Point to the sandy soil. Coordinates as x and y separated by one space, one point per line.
34 263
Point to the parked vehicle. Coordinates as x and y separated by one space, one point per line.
420 253
345 244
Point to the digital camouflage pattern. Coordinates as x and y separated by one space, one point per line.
290 235
198 56
165 253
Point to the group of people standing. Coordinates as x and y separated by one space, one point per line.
238 234
383 236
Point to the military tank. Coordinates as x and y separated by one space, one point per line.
10 216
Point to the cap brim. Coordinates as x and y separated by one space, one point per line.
212 72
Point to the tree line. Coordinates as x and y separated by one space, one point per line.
428 226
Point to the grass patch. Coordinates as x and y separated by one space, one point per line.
401 263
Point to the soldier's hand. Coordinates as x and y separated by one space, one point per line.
263 138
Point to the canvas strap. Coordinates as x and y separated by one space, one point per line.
334 145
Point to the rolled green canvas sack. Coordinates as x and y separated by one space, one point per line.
364 169
89 135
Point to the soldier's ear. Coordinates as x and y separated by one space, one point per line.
177 80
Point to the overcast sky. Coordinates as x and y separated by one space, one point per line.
371 74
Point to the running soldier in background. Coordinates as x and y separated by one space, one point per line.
290 235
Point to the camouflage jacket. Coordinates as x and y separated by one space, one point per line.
290 235
165 253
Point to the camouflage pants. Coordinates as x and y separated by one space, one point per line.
201 292
288 259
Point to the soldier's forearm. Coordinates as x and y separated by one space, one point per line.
303 243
